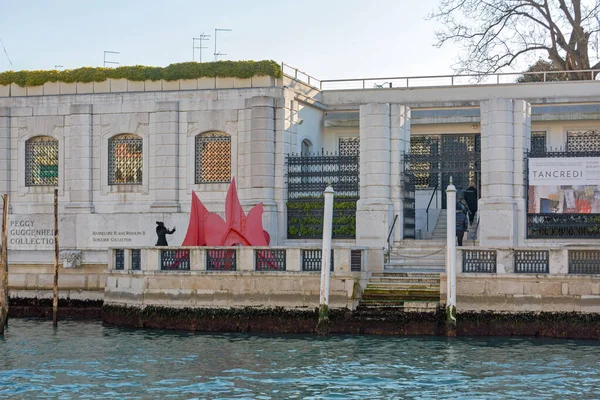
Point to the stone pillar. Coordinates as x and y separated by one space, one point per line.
522 129
374 209
262 160
504 126
400 145
78 159
164 156
5 150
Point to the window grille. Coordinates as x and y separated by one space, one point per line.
125 160
349 146
213 158
355 260
119 259
41 161
479 261
136 259
583 141
538 142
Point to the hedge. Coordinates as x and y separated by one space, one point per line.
186 70
305 218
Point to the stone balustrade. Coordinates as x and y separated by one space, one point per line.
514 279
234 277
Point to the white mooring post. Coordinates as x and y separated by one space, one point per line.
325 261
451 257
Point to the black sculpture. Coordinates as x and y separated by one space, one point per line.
162 232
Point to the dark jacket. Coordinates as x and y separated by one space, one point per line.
461 221
471 199
162 232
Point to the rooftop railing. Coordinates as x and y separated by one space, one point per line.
438 80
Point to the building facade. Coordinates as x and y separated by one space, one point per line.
128 154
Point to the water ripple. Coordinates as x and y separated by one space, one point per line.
89 361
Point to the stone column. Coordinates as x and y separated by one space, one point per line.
400 145
164 157
262 160
5 150
522 129
504 126
374 209
78 159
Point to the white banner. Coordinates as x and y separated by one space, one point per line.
567 171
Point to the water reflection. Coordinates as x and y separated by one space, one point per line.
86 360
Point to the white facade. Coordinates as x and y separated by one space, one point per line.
264 124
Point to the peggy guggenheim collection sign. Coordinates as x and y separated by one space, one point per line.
564 185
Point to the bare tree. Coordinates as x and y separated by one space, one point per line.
496 34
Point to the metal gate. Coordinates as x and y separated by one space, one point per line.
433 159
409 206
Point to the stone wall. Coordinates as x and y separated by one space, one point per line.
244 287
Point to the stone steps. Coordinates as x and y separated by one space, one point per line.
402 291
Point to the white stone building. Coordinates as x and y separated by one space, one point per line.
126 154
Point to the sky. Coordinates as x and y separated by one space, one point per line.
328 39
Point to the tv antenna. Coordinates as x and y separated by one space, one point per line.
202 38
219 54
110 62
6 52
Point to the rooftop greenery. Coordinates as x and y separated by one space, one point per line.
186 70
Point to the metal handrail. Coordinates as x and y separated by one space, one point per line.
392 229
457 80
413 81
429 204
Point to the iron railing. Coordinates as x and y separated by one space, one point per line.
311 260
454 80
584 262
119 259
479 261
175 260
136 259
221 260
269 260
408 206
532 261
429 204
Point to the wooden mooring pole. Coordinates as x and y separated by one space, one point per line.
55 298
4 268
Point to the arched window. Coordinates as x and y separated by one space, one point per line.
213 157
41 161
125 160
306 147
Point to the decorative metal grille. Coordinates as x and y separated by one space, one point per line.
136 259
178 260
479 261
583 141
584 262
221 260
309 176
125 160
355 260
349 146
433 159
532 261
213 157
41 161
311 260
270 260
538 142
119 259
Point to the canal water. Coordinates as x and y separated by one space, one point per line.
88 361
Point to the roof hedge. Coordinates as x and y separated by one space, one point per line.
185 70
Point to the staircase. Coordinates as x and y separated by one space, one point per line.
407 292
439 233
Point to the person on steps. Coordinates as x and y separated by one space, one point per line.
471 199
461 223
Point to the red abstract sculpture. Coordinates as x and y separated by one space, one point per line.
208 229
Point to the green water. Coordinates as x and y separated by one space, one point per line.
89 361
